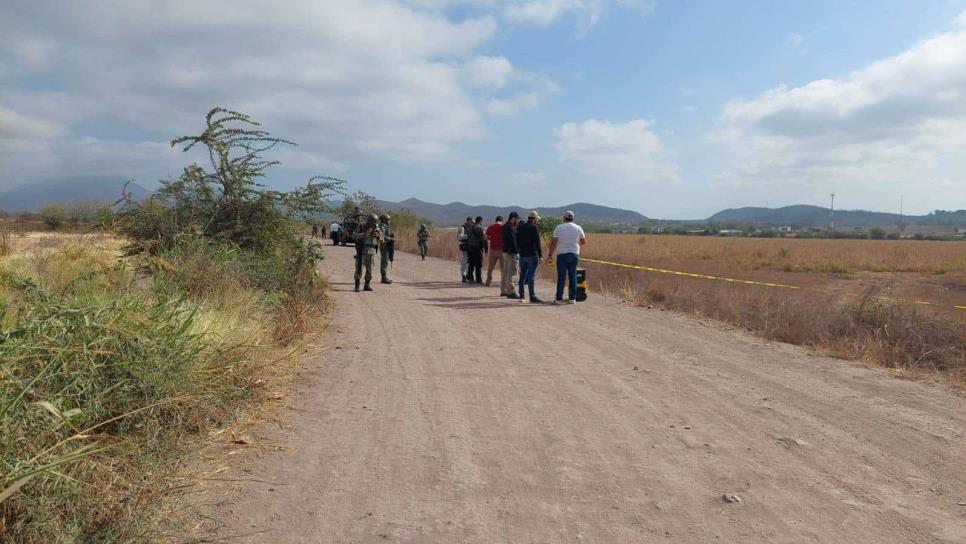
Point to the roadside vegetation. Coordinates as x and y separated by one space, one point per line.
119 350
853 304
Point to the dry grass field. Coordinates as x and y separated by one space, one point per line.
916 270
855 300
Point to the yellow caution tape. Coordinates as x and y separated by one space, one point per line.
691 274
747 282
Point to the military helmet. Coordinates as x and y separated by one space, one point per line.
384 217
372 219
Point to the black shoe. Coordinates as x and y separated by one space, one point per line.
367 287
479 282
535 300
465 280
357 287
513 296
386 280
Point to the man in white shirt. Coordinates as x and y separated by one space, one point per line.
566 242
335 231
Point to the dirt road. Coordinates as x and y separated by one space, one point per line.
442 413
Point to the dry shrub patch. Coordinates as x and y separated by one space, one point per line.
109 373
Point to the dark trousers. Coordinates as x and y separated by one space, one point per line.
474 271
528 274
567 269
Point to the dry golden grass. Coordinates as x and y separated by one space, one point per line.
782 254
244 355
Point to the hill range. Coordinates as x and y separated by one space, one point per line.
799 215
456 212
816 216
107 190
94 190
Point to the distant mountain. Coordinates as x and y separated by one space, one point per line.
31 196
817 216
455 212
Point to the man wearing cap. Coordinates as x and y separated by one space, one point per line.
511 254
528 240
566 241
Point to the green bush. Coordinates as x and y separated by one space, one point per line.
54 216
547 224
406 221
228 203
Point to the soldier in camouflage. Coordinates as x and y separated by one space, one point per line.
367 238
387 248
422 237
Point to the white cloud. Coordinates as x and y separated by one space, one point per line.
350 80
894 123
488 72
588 12
529 178
616 153
540 12
513 105
688 108
16 125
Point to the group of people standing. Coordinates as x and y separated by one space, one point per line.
512 244
373 236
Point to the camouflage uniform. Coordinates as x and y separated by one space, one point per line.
367 243
422 236
387 248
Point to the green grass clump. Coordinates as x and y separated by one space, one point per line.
94 391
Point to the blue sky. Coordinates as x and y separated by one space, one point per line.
675 109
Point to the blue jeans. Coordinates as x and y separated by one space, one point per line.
567 268
528 273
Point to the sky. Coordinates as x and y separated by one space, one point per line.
673 108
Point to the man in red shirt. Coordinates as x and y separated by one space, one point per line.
494 235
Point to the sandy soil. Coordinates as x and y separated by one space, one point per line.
442 413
